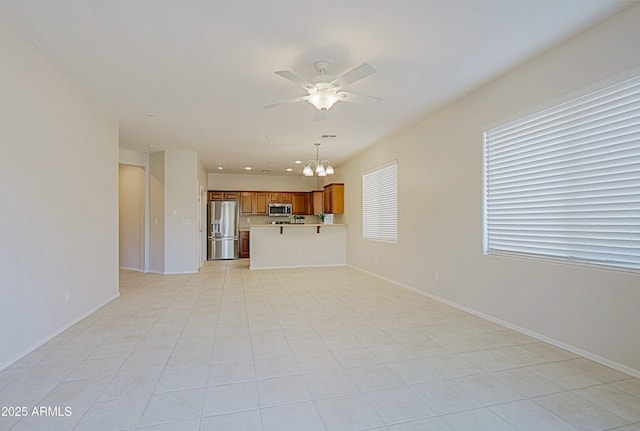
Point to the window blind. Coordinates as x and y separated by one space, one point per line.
380 204
565 182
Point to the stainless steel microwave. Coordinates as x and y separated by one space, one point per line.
280 210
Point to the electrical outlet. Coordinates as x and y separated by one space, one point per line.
375 259
436 276
67 296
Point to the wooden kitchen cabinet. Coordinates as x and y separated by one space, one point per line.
244 244
231 196
330 201
300 203
261 203
317 201
334 198
216 196
247 204
280 197
223 196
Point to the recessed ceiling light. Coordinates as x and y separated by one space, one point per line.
151 146
298 162
247 168
220 168
289 169
150 114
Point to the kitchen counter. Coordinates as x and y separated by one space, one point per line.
298 225
298 245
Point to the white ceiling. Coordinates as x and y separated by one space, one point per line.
194 75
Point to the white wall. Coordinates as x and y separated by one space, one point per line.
202 205
181 231
131 221
156 212
174 231
137 158
59 194
593 311
281 183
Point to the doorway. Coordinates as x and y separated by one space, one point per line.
131 217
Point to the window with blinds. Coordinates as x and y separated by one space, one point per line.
380 203
565 182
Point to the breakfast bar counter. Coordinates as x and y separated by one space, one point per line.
297 245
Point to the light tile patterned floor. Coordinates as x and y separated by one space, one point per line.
306 349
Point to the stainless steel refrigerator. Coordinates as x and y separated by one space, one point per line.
223 230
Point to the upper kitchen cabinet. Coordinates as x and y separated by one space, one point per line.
280 197
247 204
216 196
301 204
223 196
231 196
334 198
262 203
317 202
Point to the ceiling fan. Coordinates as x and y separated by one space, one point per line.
324 90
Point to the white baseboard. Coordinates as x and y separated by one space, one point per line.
180 272
132 269
589 355
171 273
300 266
57 332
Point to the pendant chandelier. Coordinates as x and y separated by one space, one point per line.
322 168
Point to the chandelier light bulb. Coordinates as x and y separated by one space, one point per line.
307 171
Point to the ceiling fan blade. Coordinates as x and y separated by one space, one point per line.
286 102
348 96
355 74
296 79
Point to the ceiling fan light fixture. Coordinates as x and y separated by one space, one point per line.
323 100
324 90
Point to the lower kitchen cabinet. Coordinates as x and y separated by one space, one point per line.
244 244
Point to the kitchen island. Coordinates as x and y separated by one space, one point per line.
297 245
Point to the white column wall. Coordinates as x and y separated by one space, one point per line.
180 213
